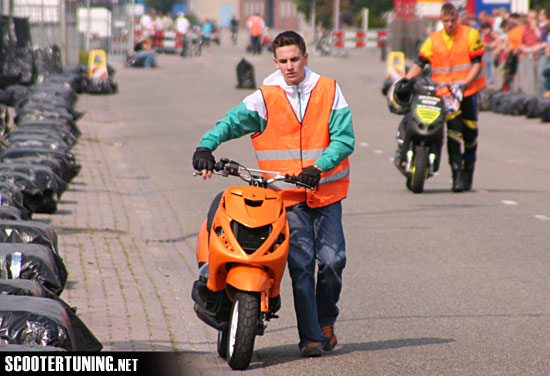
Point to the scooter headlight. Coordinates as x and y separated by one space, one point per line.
250 239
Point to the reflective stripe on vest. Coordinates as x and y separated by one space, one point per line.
454 65
288 146
273 155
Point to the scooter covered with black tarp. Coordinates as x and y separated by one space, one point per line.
26 320
35 262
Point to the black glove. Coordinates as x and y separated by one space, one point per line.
203 159
310 176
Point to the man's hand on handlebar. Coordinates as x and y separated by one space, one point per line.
204 161
310 176
457 90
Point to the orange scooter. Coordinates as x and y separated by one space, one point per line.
242 251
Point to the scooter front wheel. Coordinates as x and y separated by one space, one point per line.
243 324
420 169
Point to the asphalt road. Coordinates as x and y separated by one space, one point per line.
437 283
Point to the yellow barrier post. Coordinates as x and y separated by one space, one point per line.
97 64
395 66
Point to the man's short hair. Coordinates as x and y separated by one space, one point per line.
289 38
448 9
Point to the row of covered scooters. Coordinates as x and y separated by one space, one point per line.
36 166
512 103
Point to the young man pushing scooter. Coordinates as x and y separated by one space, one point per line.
301 125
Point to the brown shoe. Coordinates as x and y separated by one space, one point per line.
330 338
311 350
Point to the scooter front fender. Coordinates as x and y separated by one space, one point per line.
248 278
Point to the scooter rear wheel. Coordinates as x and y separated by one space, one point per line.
243 324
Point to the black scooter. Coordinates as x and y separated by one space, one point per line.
420 133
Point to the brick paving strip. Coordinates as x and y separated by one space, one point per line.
130 274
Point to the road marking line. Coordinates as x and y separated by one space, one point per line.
378 151
509 202
542 217
363 144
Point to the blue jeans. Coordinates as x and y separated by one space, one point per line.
148 58
316 235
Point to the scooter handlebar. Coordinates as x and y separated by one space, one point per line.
227 167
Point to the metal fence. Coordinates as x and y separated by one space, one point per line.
528 78
56 22
118 40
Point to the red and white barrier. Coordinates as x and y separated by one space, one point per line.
167 41
359 39
164 41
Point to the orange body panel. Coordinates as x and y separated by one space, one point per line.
248 278
228 263
202 244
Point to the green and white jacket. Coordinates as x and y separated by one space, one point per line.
250 116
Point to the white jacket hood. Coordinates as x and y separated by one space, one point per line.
306 86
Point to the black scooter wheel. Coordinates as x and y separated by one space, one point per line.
419 169
243 324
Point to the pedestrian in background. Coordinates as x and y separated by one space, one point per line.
234 28
147 23
182 27
206 30
256 25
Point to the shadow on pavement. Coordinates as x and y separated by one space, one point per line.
288 353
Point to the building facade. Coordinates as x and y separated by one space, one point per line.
220 11
278 14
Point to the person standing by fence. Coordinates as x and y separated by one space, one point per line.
515 28
490 40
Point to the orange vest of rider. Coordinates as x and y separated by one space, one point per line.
454 65
255 25
287 146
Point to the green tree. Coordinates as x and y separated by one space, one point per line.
352 14
161 5
377 9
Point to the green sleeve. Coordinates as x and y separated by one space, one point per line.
342 139
238 122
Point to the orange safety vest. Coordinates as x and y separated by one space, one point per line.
515 36
287 146
255 25
453 65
